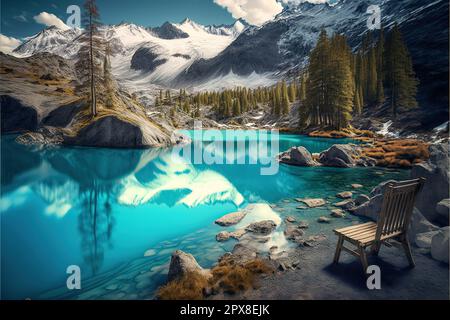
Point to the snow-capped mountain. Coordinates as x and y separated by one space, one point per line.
51 40
191 55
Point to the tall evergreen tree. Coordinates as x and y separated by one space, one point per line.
399 73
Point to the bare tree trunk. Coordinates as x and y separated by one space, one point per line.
93 93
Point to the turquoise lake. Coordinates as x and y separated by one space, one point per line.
119 214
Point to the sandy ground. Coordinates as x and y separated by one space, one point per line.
317 278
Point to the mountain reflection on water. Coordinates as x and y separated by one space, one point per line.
98 208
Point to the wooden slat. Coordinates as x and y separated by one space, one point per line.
352 227
357 230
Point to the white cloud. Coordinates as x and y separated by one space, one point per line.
255 12
49 19
8 44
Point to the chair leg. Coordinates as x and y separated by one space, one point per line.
375 249
407 248
338 249
363 257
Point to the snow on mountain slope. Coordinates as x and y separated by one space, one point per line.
156 62
52 40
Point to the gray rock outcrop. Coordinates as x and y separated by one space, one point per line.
297 156
109 132
436 171
182 263
231 219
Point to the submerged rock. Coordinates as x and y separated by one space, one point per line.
226 235
231 219
324 220
357 186
337 213
313 203
293 232
345 195
182 263
262 227
297 156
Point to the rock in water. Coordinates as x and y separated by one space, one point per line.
357 186
323 220
109 132
440 245
339 155
345 195
262 227
231 219
182 263
297 156
337 213
361 199
346 204
436 171
225 235
313 203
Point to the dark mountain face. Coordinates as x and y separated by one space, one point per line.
284 44
248 53
169 31
146 59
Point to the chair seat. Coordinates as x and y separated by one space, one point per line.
362 234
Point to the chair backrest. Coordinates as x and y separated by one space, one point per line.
397 208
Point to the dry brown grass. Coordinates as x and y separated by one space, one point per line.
228 277
190 287
343 133
398 153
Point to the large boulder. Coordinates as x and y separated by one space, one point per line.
182 263
262 227
436 171
371 209
344 156
17 117
297 156
440 245
108 132
231 218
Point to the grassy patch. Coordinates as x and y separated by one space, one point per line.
398 153
228 277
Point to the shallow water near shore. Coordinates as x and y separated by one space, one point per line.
104 209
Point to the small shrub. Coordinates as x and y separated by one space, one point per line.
190 287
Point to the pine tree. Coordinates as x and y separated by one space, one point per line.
372 80
91 53
380 67
108 78
284 99
399 73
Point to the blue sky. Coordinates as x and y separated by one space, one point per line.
17 16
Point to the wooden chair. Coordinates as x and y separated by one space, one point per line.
393 223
